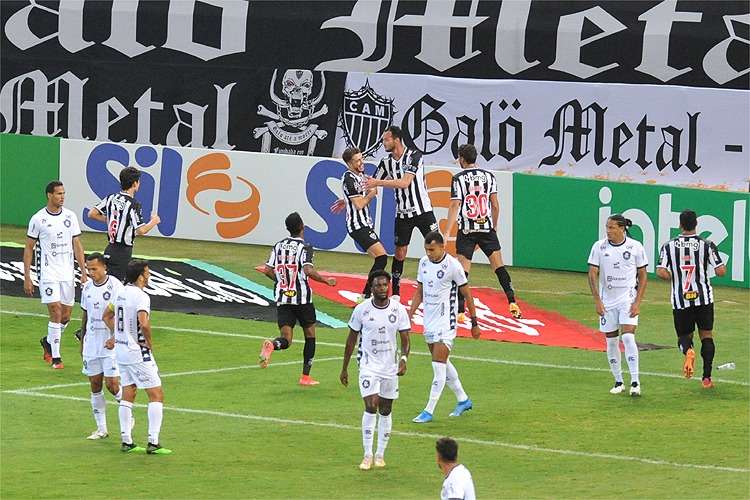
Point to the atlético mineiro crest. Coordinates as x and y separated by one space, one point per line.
364 117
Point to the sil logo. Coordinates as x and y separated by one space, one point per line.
238 218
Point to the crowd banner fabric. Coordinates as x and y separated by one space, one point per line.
243 197
655 134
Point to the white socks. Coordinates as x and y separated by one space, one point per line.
54 333
368 432
631 354
438 383
453 382
126 415
613 356
99 407
155 412
385 423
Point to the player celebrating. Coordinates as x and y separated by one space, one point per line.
122 214
403 171
688 261
129 317
617 278
290 265
55 229
458 484
474 203
358 221
440 279
98 362
377 320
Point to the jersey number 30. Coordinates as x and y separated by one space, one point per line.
477 205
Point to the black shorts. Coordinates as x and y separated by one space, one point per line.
365 237
289 314
466 243
117 257
425 222
685 320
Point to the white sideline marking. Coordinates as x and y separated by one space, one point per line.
534 364
179 374
334 425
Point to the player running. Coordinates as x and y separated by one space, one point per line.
617 278
440 279
290 265
377 320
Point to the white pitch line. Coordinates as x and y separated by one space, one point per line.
177 374
533 364
483 442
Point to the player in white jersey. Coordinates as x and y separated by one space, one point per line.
377 320
440 278
617 277
98 362
129 317
55 231
458 484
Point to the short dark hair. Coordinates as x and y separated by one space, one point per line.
349 153
395 132
96 256
447 448
434 237
379 273
688 220
621 221
129 176
294 223
136 267
468 152
51 186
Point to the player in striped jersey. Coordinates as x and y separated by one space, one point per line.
122 214
403 171
55 233
689 261
474 204
440 279
99 363
358 221
617 278
290 265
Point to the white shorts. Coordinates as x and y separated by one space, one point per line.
58 291
106 365
385 387
443 337
144 375
615 317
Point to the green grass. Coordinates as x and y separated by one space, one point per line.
226 451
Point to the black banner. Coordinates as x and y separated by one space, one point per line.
199 73
174 286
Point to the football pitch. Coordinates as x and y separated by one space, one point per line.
543 425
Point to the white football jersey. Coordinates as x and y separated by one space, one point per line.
379 329
440 282
129 301
458 484
54 234
618 269
94 300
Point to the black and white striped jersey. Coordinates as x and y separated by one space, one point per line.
123 217
288 259
473 187
353 186
691 260
413 199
